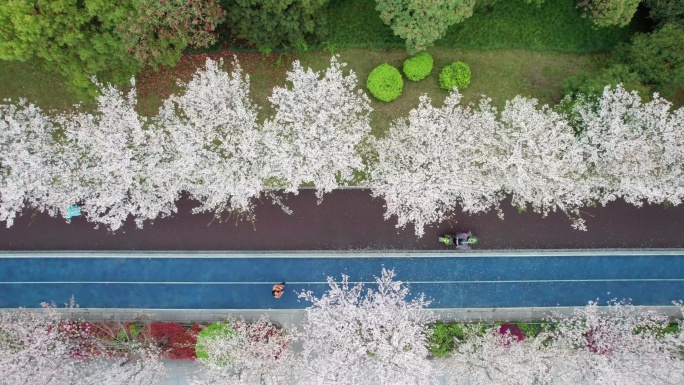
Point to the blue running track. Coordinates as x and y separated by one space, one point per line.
244 280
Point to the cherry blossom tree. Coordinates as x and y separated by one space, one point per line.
318 125
542 163
122 166
617 344
437 159
37 346
636 149
252 353
33 349
119 354
490 357
372 336
214 129
31 165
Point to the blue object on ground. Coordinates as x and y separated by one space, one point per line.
73 211
245 281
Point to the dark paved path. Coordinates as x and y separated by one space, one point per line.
351 219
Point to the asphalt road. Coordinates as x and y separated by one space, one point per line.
352 220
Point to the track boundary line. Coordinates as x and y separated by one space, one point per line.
342 254
325 282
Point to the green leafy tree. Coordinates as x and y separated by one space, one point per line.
79 39
73 38
421 23
157 31
663 11
658 57
606 13
268 24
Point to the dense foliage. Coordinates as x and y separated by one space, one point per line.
385 82
157 31
109 40
663 11
455 75
592 84
658 57
605 13
418 67
422 23
269 24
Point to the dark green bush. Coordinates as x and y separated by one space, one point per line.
663 11
592 84
658 57
268 24
385 82
456 74
418 67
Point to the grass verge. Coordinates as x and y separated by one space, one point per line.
498 74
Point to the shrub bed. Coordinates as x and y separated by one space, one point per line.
456 74
418 67
385 82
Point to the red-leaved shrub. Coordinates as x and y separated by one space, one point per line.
175 341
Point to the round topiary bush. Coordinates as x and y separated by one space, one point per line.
418 67
385 82
456 74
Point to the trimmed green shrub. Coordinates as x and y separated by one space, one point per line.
385 82
456 74
418 67
215 330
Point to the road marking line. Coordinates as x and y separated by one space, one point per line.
325 283
347 254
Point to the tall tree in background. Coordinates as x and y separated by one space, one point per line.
110 40
76 39
663 11
658 57
157 31
269 24
606 13
421 23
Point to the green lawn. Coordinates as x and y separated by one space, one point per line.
499 74
557 25
23 80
